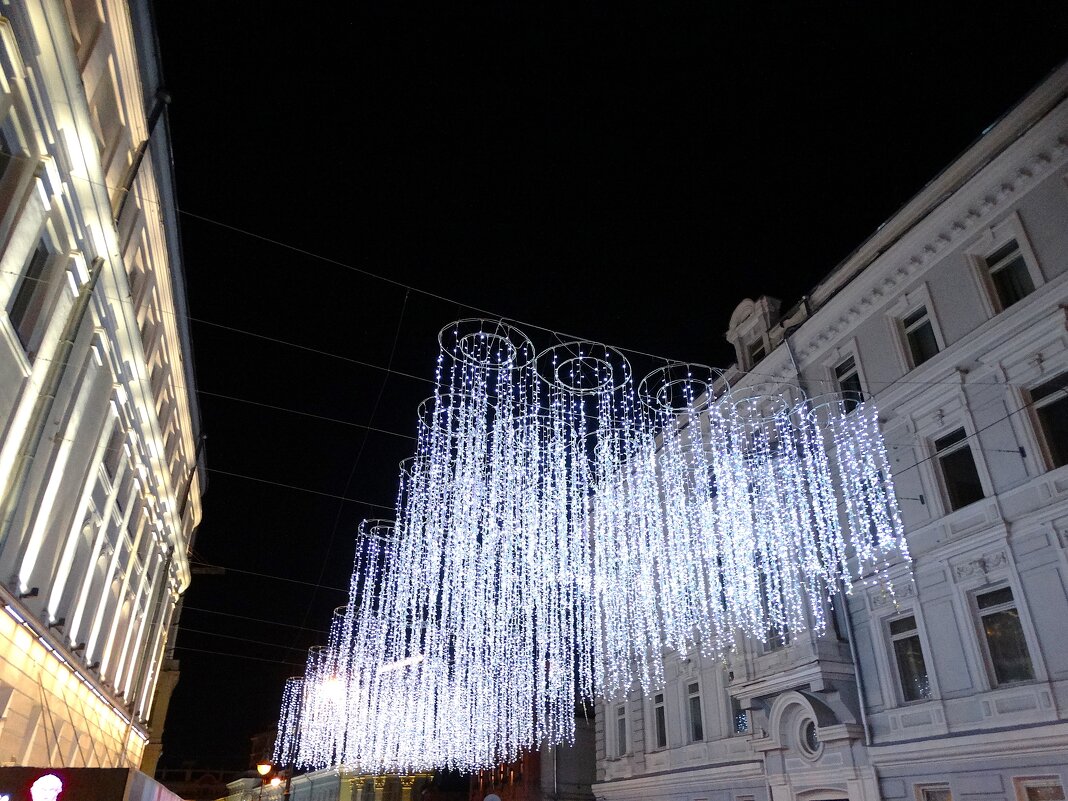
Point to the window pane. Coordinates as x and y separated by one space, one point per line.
661 728
847 366
1008 650
621 732
1045 792
922 343
30 296
994 598
950 439
697 729
1053 418
962 478
911 319
903 625
912 669
1012 282
1049 387
937 794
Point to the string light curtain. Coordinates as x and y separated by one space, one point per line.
560 525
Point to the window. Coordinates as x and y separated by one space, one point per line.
114 451
621 730
1003 636
958 469
1009 274
920 336
741 719
1040 788
1050 402
28 299
660 720
934 792
810 738
908 657
6 155
697 727
848 378
777 636
756 351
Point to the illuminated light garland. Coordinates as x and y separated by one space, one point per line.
559 526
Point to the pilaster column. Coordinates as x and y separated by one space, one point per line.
380 787
407 782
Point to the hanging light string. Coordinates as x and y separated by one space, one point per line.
560 525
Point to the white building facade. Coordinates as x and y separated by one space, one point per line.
954 318
99 428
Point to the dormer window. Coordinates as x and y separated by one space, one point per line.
756 351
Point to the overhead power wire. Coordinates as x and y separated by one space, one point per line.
238 656
359 455
559 335
270 576
200 609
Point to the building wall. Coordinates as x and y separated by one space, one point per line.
971 731
99 497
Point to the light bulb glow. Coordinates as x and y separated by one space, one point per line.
558 527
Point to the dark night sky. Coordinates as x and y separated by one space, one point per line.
625 177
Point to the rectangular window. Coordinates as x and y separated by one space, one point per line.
1050 402
848 377
1044 788
756 351
908 656
958 469
740 717
1009 274
697 726
31 292
6 155
1003 636
621 730
660 719
114 451
938 792
920 336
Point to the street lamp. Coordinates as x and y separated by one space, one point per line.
263 768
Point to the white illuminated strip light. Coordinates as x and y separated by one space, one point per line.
559 526
74 671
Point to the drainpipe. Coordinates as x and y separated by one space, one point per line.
45 400
856 665
857 671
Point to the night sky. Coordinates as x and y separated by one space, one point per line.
620 176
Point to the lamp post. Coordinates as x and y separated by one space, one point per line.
263 768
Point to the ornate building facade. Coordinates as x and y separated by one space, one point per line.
99 427
953 316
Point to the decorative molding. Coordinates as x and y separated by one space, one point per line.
1034 168
983 565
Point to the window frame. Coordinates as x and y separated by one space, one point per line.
921 790
1021 784
984 646
660 721
691 724
752 346
834 359
995 238
42 295
1035 406
905 329
937 456
895 670
622 732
